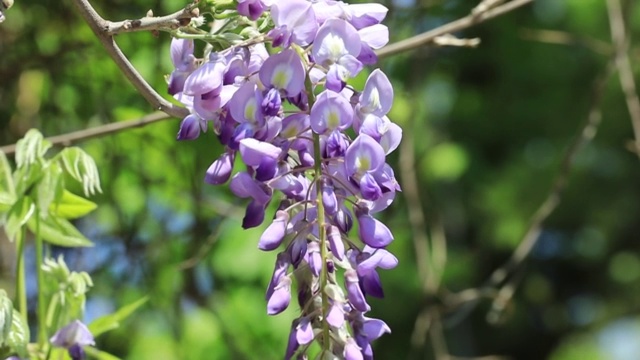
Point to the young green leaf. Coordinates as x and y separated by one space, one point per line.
30 148
18 336
82 168
72 206
18 215
7 188
112 321
59 232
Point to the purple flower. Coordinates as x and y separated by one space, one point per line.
190 127
336 47
184 63
274 234
284 71
295 22
74 337
251 8
220 171
330 112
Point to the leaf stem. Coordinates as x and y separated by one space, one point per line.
42 309
21 288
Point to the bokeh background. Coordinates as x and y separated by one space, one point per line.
485 130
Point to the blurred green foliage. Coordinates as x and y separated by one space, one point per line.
489 126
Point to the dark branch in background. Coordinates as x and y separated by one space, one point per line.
625 73
71 138
100 27
460 24
512 267
104 30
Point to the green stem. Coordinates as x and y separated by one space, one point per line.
42 309
321 228
21 288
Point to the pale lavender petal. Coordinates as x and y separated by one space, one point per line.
207 77
281 297
254 152
375 36
314 259
327 9
383 202
364 155
354 293
374 328
373 232
352 350
378 258
245 105
330 112
335 242
367 56
364 15
180 50
280 269
258 55
377 95
293 125
298 16
335 317
304 331
351 64
335 39
220 171
329 199
274 234
391 138
284 71
75 333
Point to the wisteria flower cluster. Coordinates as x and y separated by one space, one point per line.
303 132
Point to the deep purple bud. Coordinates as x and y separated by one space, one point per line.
190 127
220 171
371 284
271 103
254 216
297 250
329 198
76 352
343 219
251 8
301 101
274 234
292 345
354 293
281 297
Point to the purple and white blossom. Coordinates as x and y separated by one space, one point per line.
315 147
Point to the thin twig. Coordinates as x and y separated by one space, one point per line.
625 72
99 26
71 138
154 23
460 24
565 38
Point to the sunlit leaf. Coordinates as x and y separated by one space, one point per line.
30 148
59 232
72 206
47 188
6 314
112 321
7 189
19 214
18 336
81 167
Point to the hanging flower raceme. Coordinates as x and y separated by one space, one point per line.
312 145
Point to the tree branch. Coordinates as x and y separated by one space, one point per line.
100 27
150 23
625 72
71 138
460 24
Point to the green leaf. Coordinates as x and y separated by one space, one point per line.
18 336
31 148
59 232
6 314
72 206
100 355
7 189
19 214
82 168
47 188
112 321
